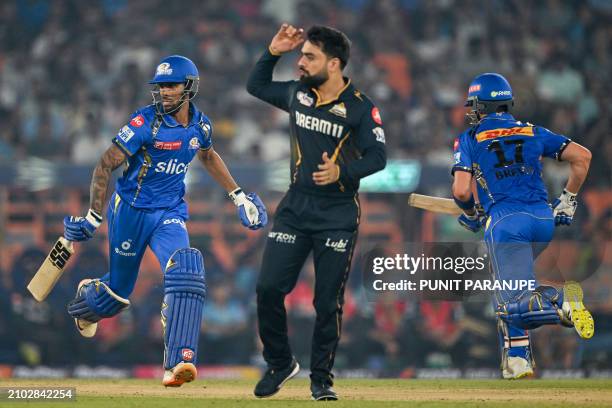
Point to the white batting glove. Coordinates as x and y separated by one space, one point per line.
564 208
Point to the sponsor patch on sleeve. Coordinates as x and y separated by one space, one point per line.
456 144
376 115
138 121
125 134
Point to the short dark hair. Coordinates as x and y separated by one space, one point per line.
334 43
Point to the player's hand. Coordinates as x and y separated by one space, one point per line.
564 208
470 222
287 39
82 228
329 172
251 209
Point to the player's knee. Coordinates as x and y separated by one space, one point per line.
95 301
268 291
185 272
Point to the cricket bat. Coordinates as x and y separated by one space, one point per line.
52 268
435 204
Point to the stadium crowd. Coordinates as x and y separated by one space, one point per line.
72 72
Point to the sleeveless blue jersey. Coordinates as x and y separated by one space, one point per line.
504 156
159 151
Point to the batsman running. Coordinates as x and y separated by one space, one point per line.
336 138
147 209
503 156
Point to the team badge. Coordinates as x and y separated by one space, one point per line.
376 115
304 99
339 110
163 69
194 143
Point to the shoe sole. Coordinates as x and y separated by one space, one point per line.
183 373
290 376
580 316
325 398
86 329
523 375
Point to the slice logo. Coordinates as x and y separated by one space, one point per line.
171 167
282 237
187 355
338 246
138 121
168 145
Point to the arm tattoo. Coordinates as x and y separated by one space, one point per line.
110 160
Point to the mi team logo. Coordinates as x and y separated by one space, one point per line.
163 69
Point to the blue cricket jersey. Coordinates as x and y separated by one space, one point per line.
504 156
159 151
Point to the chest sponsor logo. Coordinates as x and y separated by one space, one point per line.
138 121
171 167
495 133
168 145
338 246
318 125
380 134
125 134
339 110
194 143
282 237
304 99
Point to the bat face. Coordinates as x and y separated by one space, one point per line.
52 268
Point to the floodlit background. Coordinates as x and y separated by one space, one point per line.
72 72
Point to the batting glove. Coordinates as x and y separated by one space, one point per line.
470 222
564 208
82 228
251 209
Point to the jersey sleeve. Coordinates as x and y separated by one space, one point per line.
134 135
206 134
553 144
261 86
370 140
462 154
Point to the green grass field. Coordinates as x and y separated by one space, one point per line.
353 393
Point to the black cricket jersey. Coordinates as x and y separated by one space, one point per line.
348 127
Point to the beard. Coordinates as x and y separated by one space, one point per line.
316 80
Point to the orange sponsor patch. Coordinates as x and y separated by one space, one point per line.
495 133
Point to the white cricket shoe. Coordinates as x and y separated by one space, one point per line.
516 367
85 327
180 374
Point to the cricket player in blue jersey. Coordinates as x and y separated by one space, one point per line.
147 209
503 156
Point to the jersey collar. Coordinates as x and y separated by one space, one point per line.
194 113
347 85
499 116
